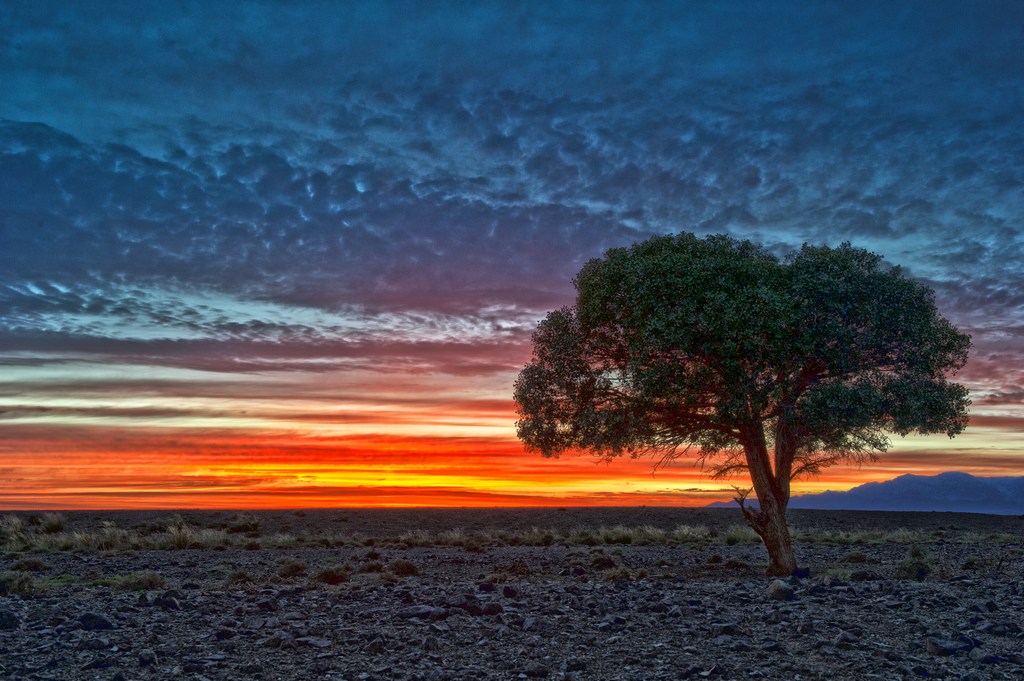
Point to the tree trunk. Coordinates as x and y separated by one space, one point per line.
770 524
769 521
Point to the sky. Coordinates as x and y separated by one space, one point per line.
279 254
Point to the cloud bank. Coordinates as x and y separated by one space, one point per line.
393 189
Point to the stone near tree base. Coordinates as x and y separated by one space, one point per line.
779 590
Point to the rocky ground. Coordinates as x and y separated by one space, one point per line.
950 607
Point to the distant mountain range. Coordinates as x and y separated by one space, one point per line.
956 492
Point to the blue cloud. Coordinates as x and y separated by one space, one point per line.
450 160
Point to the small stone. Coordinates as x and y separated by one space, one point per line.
532 624
491 608
468 603
8 620
725 629
509 591
168 600
535 670
845 639
574 664
147 658
375 646
779 590
423 612
267 604
90 621
984 657
98 663
943 646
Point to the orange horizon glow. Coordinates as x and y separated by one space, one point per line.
96 467
91 436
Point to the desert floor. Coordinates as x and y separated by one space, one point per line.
636 593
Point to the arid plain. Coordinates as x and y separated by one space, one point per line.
574 593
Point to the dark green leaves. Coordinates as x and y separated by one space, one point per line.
679 341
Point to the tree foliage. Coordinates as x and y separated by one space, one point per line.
718 349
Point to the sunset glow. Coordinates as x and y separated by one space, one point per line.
293 262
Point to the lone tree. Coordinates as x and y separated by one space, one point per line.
718 349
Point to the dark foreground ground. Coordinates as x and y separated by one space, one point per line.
643 593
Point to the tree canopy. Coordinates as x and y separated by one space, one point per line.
719 349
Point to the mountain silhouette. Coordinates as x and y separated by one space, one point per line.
953 491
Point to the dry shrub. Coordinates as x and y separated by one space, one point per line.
16 583
111 537
140 581
52 523
916 565
12 531
371 566
333 574
416 538
290 567
243 523
688 534
403 568
30 565
740 534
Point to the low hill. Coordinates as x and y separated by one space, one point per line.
953 492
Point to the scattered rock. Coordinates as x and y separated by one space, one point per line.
168 600
944 646
845 639
91 621
507 614
983 657
8 620
423 612
536 670
726 629
779 590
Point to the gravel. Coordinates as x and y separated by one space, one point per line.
518 612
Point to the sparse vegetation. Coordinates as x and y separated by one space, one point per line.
740 534
30 565
334 574
290 567
12 532
240 578
52 523
856 557
401 567
243 523
16 583
175 533
916 565
135 581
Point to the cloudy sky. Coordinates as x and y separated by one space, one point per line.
278 253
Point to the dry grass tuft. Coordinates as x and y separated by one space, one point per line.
401 567
333 574
290 567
